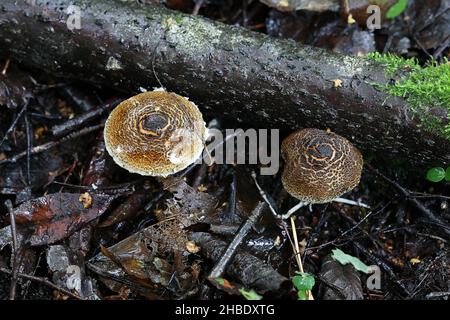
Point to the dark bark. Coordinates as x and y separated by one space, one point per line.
226 70
248 269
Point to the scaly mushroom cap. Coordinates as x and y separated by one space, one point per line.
155 133
320 165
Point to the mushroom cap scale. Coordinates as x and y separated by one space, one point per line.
319 165
155 133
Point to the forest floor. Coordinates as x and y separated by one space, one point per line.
133 237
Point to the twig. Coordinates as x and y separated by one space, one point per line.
350 229
437 221
426 195
29 144
229 252
264 196
231 207
296 246
197 7
43 281
432 237
69 170
344 10
5 68
296 249
77 122
12 290
13 125
432 295
49 145
26 285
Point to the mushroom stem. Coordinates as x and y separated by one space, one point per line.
351 202
340 200
293 210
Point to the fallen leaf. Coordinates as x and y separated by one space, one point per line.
344 278
54 217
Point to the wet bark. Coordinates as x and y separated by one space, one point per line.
228 71
248 269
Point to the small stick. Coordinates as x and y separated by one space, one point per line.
229 252
43 281
441 294
6 67
29 144
296 246
231 207
13 125
296 249
75 123
264 196
12 290
49 145
344 10
197 7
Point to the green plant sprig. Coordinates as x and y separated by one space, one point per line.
437 174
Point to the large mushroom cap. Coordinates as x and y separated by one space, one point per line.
320 165
155 133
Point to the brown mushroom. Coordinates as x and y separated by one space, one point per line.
320 166
155 133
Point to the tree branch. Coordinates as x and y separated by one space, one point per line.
226 70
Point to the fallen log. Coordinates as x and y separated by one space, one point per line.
227 70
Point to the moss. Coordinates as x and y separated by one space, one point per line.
427 90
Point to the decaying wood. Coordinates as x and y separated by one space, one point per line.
226 70
248 269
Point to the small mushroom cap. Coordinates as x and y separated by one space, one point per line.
320 165
155 133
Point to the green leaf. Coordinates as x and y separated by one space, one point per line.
344 259
302 295
397 9
303 281
220 281
250 295
447 174
436 174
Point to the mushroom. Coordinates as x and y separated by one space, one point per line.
155 133
320 166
